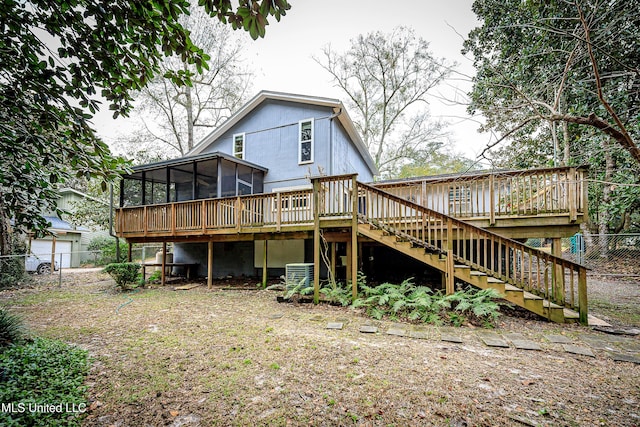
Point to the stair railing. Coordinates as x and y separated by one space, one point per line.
558 280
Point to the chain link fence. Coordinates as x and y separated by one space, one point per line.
22 269
615 255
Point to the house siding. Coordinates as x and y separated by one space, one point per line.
271 141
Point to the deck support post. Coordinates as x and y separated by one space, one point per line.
354 239
164 263
332 261
316 241
583 305
264 263
129 254
210 264
348 271
557 281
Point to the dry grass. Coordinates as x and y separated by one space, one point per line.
237 357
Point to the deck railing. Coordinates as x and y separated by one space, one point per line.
275 210
500 194
560 281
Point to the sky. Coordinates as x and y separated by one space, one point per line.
282 61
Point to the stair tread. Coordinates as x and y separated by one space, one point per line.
461 266
547 304
494 280
478 273
508 287
529 295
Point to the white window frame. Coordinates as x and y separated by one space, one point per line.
293 202
300 161
239 154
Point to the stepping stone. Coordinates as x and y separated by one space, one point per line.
598 343
575 349
335 325
526 345
422 335
494 342
514 337
491 339
558 339
368 329
276 316
398 332
630 346
451 338
619 357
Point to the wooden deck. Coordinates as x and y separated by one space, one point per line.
536 280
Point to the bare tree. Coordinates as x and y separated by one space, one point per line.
387 79
177 116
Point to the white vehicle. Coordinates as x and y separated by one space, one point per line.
34 264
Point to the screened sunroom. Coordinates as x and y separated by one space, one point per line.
206 176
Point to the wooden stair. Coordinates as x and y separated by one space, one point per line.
483 280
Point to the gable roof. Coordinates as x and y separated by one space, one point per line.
338 109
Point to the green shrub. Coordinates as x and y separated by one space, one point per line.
12 271
155 277
126 274
11 328
43 372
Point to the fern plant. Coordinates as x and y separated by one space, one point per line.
337 293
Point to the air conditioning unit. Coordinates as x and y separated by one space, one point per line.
300 272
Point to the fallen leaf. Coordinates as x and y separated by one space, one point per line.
174 413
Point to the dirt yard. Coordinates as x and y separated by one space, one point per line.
237 357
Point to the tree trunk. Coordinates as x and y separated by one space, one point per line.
5 238
604 215
189 107
566 158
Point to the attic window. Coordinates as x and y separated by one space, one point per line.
238 145
305 152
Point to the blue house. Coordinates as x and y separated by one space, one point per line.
287 179
275 143
293 137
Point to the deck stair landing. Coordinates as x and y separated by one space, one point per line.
549 286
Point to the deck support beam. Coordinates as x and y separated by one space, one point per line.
332 254
354 238
316 241
164 263
209 264
264 263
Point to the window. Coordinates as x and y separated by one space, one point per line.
459 200
295 201
305 152
238 145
